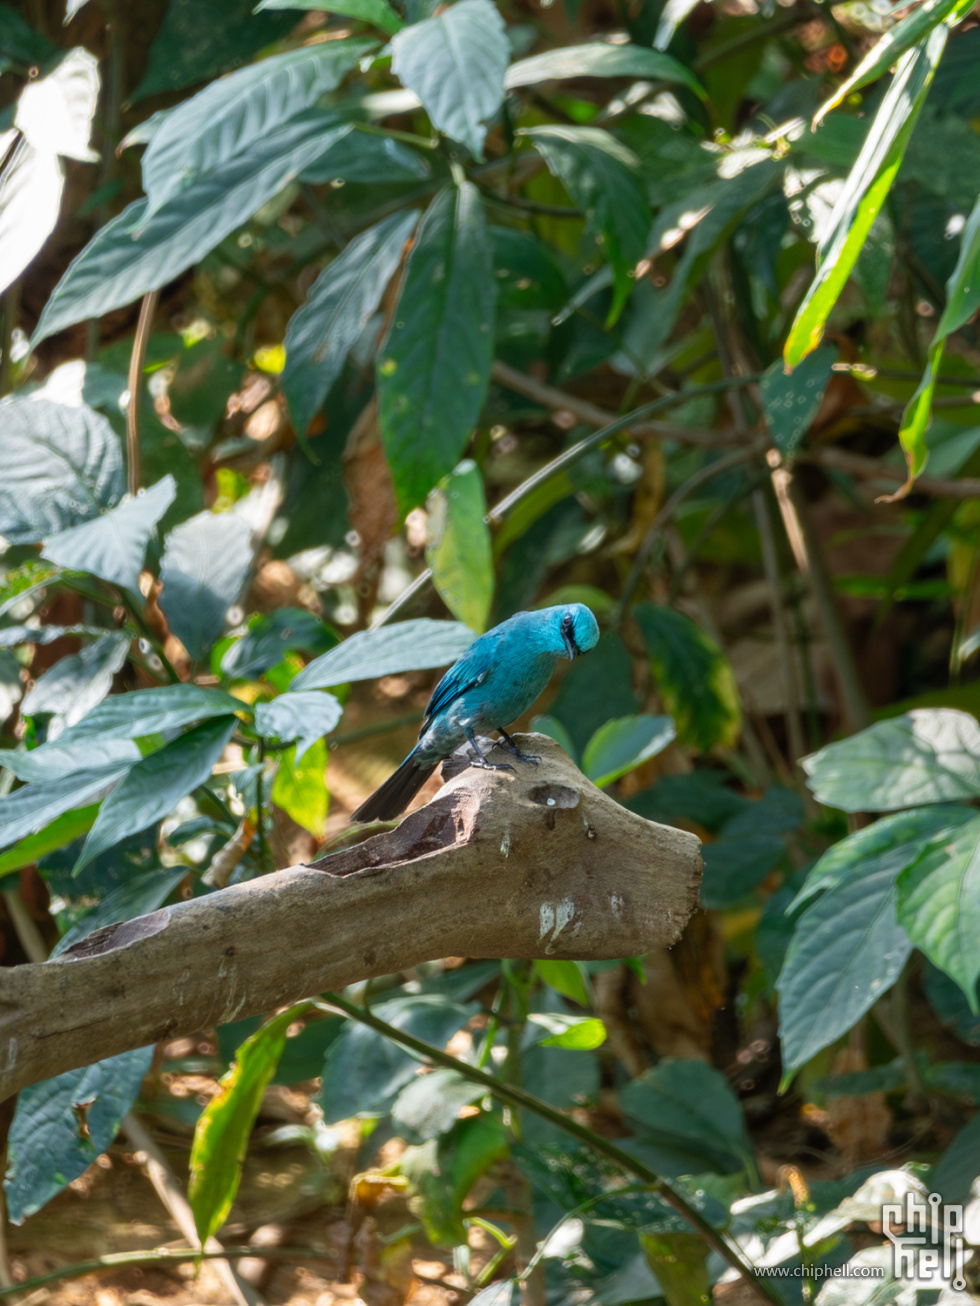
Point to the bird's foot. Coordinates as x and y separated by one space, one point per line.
482 765
505 741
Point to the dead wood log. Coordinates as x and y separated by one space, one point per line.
535 862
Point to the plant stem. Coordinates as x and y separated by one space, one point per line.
136 361
513 1096
10 311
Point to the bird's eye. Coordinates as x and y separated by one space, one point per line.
567 623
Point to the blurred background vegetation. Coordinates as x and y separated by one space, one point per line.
380 322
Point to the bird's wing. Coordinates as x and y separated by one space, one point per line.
470 671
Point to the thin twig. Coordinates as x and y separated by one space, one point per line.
859 464
513 1096
136 360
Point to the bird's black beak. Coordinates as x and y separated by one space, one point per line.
569 644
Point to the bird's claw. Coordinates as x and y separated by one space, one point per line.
492 766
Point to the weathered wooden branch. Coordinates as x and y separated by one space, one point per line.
534 862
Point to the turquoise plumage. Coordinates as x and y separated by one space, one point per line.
496 680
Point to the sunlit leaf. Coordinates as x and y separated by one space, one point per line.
388 651
566 978
623 744
377 12
305 717
459 552
30 809
600 59
300 786
206 562
76 683
136 714
578 1033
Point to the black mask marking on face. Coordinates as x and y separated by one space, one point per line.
568 635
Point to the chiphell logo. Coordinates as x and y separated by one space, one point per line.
927 1238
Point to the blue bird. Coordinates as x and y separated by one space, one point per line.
492 684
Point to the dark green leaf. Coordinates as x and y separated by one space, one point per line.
600 59
77 682
435 363
733 867
596 688
455 63
142 712
701 798
222 1133
377 12
948 1001
693 678
53 761
135 897
156 784
231 115
61 466
690 1105
371 159
364 1072
791 401
28 810
339 305
305 717
61 1125
444 1171
387 651
939 905
459 552
624 744
929 755
602 177
954 1173
135 252
266 642
206 562
113 546
430 1104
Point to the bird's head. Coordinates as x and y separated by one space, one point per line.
577 628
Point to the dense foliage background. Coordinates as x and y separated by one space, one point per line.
334 333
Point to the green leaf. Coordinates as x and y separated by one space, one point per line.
459 552
138 896
693 677
364 1073
864 193
954 1173
444 1171
371 159
63 830
136 714
577 1033
434 366
113 546
962 302
601 59
61 1125
339 305
305 717
156 784
848 948
300 787
929 755
222 1132
791 400
136 252
689 1105
231 115
430 1104
623 745
76 683
377 12
602 177
206 563
566 978
553 728
200 38
30 809
406 646
455 63
939 906
61 466
908 31
266 642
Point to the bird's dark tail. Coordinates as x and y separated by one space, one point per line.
391 799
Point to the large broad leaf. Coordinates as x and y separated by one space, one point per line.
455 63
300 786
339 305
602 177
848 947
459 552
430 1105
600 59
267 641
142 712
692 675
406 646
752 843
136 252
791 400
377 12
689 1105
206 562
75 684
864 193
368 158
624 744
907 32
929 755
28 810
62 830
61 466
61 1125
30 200
222 1133
435 363
156 784
939 906
364 1072
962 302
305 717
228 117
113 546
